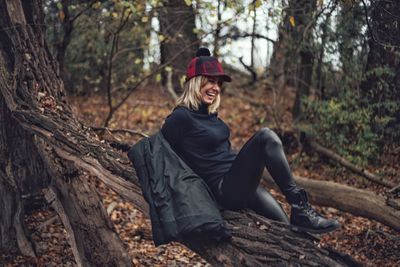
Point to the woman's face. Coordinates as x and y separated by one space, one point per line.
210 90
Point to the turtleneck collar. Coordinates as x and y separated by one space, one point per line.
203 109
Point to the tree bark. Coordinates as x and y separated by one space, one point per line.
320 75
217 37
83 215
67 26
302 14
292 60
13 237
260 242
177 22
303 81
253 38
29 84
21 178
33 95
350 22
282 64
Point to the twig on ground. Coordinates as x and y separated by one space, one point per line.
45 223
391 237
395 190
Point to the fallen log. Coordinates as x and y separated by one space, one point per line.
260 242
342 161
345 198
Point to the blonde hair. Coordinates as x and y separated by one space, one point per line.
191 96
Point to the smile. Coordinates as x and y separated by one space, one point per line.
211 93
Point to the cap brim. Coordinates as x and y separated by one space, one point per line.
225 78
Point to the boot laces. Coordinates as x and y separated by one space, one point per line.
310 210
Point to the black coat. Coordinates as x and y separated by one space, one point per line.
181 204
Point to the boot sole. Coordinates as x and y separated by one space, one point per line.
300 229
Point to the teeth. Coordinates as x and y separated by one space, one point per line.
211 93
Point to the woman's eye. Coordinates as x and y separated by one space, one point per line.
216 81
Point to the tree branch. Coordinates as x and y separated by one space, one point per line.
342 161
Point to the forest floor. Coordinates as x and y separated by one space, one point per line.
369 242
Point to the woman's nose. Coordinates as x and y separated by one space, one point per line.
216 87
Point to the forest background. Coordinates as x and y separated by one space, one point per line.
324 75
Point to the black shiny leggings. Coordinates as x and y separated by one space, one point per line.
240 188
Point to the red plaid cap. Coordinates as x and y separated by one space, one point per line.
206 66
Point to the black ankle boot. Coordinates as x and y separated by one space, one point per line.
304 218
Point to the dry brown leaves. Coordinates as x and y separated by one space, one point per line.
367 241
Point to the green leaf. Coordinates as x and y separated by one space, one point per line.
158 77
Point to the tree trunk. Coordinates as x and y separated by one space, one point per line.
217 37
67 26
281 61
33 95
320 75
21 177
253 38
381 85
350 35
28 82
303 81
177 22
302 14
292 60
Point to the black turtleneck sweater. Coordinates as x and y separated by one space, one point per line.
202 141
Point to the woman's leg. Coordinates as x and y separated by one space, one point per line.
264 203
264 149
238 187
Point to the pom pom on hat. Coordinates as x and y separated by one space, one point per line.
203 52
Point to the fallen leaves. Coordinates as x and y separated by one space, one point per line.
367 241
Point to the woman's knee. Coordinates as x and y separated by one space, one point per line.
269 137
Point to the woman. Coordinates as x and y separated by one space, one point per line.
201 139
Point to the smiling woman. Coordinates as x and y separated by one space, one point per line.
201 140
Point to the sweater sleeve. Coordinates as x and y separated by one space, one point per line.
174 126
